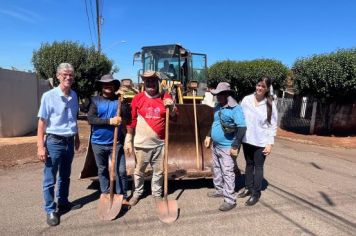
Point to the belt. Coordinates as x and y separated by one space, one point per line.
60 137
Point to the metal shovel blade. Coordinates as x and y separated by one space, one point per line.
167 210
107 209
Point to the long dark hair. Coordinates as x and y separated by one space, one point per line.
268 95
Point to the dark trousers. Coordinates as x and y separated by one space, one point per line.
102 155
255 160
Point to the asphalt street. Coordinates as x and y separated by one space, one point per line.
308 190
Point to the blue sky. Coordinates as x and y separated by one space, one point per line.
237 30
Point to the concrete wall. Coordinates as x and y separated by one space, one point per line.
343 119
20 94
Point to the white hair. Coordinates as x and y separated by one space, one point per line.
64 66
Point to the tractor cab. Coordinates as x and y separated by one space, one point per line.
180 67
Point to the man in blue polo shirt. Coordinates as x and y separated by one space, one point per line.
58 121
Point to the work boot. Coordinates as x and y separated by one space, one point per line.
252 200
214 194
125 202
227 206
134 200
244 193
68 207
52 219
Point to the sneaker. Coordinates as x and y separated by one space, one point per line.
134 200
52 219
226 206
214 194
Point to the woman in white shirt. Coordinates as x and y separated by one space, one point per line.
261 121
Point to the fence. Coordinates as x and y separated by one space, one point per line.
297 114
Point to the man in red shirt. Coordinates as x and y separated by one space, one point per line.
146 133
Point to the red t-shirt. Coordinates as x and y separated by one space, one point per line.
148 116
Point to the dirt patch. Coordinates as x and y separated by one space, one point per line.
17 154
333 141
21 150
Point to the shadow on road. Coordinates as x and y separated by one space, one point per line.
240 183
173 186
94 196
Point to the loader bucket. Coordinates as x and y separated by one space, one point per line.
182 150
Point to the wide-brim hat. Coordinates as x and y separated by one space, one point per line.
222 87
108 79
150 74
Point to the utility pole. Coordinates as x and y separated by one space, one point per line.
98 23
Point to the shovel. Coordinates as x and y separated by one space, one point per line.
110 204
167 210
196 131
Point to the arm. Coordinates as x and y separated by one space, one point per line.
272 130
168 102
131 125
239 120
207 141
93 118
43 116
41 150
77 140
241 131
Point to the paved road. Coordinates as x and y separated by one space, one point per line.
310 190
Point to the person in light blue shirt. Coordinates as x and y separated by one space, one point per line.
227 131
57 136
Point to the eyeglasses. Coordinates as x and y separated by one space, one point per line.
66 75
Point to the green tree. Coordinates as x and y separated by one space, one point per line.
331 79
243 75
328 77
89 64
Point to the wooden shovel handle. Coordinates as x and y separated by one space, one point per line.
196 131
114 147
166 142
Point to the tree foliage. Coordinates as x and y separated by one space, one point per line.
328 77
89 64
243 75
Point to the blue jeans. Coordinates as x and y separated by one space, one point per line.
60 156
102 155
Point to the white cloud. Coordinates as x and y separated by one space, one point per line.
31 14
22 14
